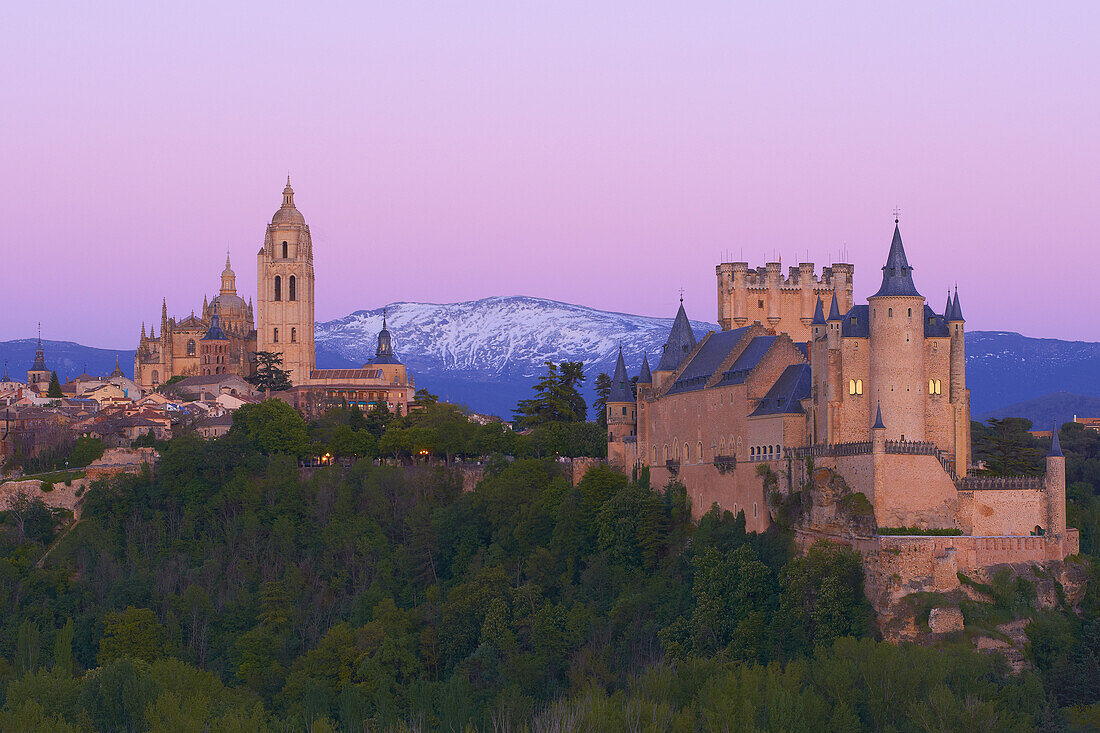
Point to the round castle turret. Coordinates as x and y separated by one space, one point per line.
897 347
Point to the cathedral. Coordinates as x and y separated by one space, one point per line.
800 379
222 340
225 338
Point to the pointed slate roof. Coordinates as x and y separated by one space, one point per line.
947 308
215 332
620 383
956 309
819 313
786 395
1055 445
118 370
681 342
646 377
897 275
878 420
834 310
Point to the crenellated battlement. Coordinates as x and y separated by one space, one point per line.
784 303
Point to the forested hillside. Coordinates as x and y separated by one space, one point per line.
229 592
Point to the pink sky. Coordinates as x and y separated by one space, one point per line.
598 153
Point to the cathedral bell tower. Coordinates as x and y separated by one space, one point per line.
285 285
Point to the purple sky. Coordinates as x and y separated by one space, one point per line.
599 153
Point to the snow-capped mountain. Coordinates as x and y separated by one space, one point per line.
486 353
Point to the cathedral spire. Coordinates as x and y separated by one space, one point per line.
39 355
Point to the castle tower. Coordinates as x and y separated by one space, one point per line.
681 342
1055 487
285 290
622 419
38 374
959 394
834 390
896 372
819 355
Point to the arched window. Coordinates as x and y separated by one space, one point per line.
700 451
191 347
851 386
654 454
293 334
859 386
889 312
156 377
910 312
276 339
938 387
292 291
687 453
278 288
284 250
668 453
931 386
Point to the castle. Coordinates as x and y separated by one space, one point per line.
225 338
873 394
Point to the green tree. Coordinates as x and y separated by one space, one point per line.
54 391
424 397
1007 447
85 451
273 427
269 374
134 632
603 391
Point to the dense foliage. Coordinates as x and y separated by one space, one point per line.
233 590
432 432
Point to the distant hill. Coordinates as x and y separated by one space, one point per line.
67 358
1048 410
487 353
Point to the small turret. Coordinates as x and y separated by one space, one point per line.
645 377
622 421
956 315
1054 486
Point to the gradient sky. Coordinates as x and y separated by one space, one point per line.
592 152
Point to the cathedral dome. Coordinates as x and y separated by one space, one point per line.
287 213
230 303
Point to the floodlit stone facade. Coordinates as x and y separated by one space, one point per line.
872 396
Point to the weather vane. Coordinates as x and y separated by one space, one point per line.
897 214
681 295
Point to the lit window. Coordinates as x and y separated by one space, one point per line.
851 386
859 386
931 386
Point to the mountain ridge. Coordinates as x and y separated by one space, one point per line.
486 353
